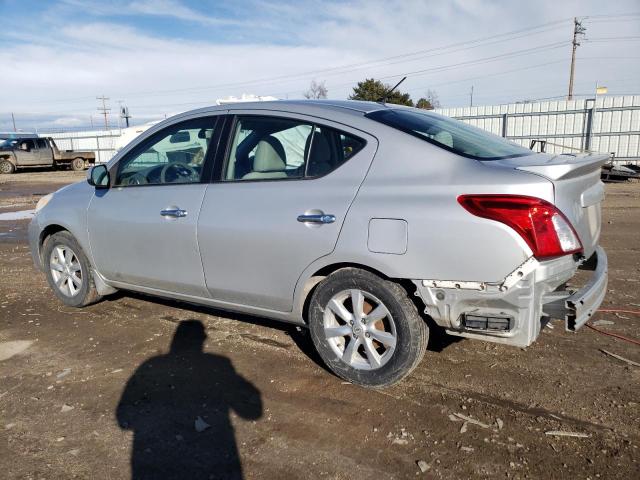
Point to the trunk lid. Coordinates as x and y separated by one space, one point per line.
578 190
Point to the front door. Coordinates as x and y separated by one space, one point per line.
26 152
279 205
142 230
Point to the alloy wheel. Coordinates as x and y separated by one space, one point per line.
360 329
66 270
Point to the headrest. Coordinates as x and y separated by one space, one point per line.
270 156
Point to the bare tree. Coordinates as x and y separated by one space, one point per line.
432 96
316 90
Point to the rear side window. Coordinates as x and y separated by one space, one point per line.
450 134
275 148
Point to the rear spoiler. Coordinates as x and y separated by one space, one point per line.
568 165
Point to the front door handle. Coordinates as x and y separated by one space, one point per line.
317 218
173 212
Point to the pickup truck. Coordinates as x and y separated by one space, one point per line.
40 152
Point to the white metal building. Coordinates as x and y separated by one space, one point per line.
606 124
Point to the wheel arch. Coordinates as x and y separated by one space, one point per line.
11 159
318 274
46 232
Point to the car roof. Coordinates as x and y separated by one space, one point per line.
355 107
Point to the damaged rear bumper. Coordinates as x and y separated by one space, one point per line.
514 310
577 308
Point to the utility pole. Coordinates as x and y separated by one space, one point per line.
578 29
104 110
471 100
13 119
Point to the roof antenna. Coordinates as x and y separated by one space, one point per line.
384 97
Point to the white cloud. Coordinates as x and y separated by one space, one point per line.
58 68
159 8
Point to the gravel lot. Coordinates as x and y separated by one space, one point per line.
124 386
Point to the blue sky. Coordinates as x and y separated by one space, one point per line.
164 56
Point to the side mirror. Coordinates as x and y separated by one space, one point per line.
98 176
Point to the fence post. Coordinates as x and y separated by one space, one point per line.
504 124
589 126
98 148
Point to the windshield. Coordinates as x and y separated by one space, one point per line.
6 142
450 134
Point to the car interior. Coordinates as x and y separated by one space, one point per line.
262 149
177 158
262 155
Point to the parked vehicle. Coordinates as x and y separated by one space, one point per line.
29 151
364 222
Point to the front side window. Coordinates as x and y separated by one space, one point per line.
173 155
450 134
268 148
27 144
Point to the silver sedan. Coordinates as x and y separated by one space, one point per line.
367 223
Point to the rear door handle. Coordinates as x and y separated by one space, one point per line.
173 212
317 218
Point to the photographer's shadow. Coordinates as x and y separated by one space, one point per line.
163 400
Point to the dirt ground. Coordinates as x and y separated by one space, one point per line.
99 393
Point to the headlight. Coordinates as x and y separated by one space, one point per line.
43 201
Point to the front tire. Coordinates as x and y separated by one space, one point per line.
366 329
6 167
69 271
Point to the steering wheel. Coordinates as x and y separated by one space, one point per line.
137 179
181 171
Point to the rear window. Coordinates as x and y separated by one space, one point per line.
452 135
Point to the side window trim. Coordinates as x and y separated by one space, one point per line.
155 137
228 137
222 148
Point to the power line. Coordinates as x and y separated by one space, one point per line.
438 69
442 68
368 64
376 63
612 39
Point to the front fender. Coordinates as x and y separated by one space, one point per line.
67 210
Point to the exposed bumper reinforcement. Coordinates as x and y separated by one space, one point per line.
581 306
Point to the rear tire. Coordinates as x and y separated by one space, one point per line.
6 167
68 270
77 164
375 344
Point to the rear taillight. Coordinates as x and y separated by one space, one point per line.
545 229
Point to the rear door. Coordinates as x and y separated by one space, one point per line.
44 152
142 230
278 205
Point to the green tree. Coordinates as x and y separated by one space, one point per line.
424 104
429 102
373 90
